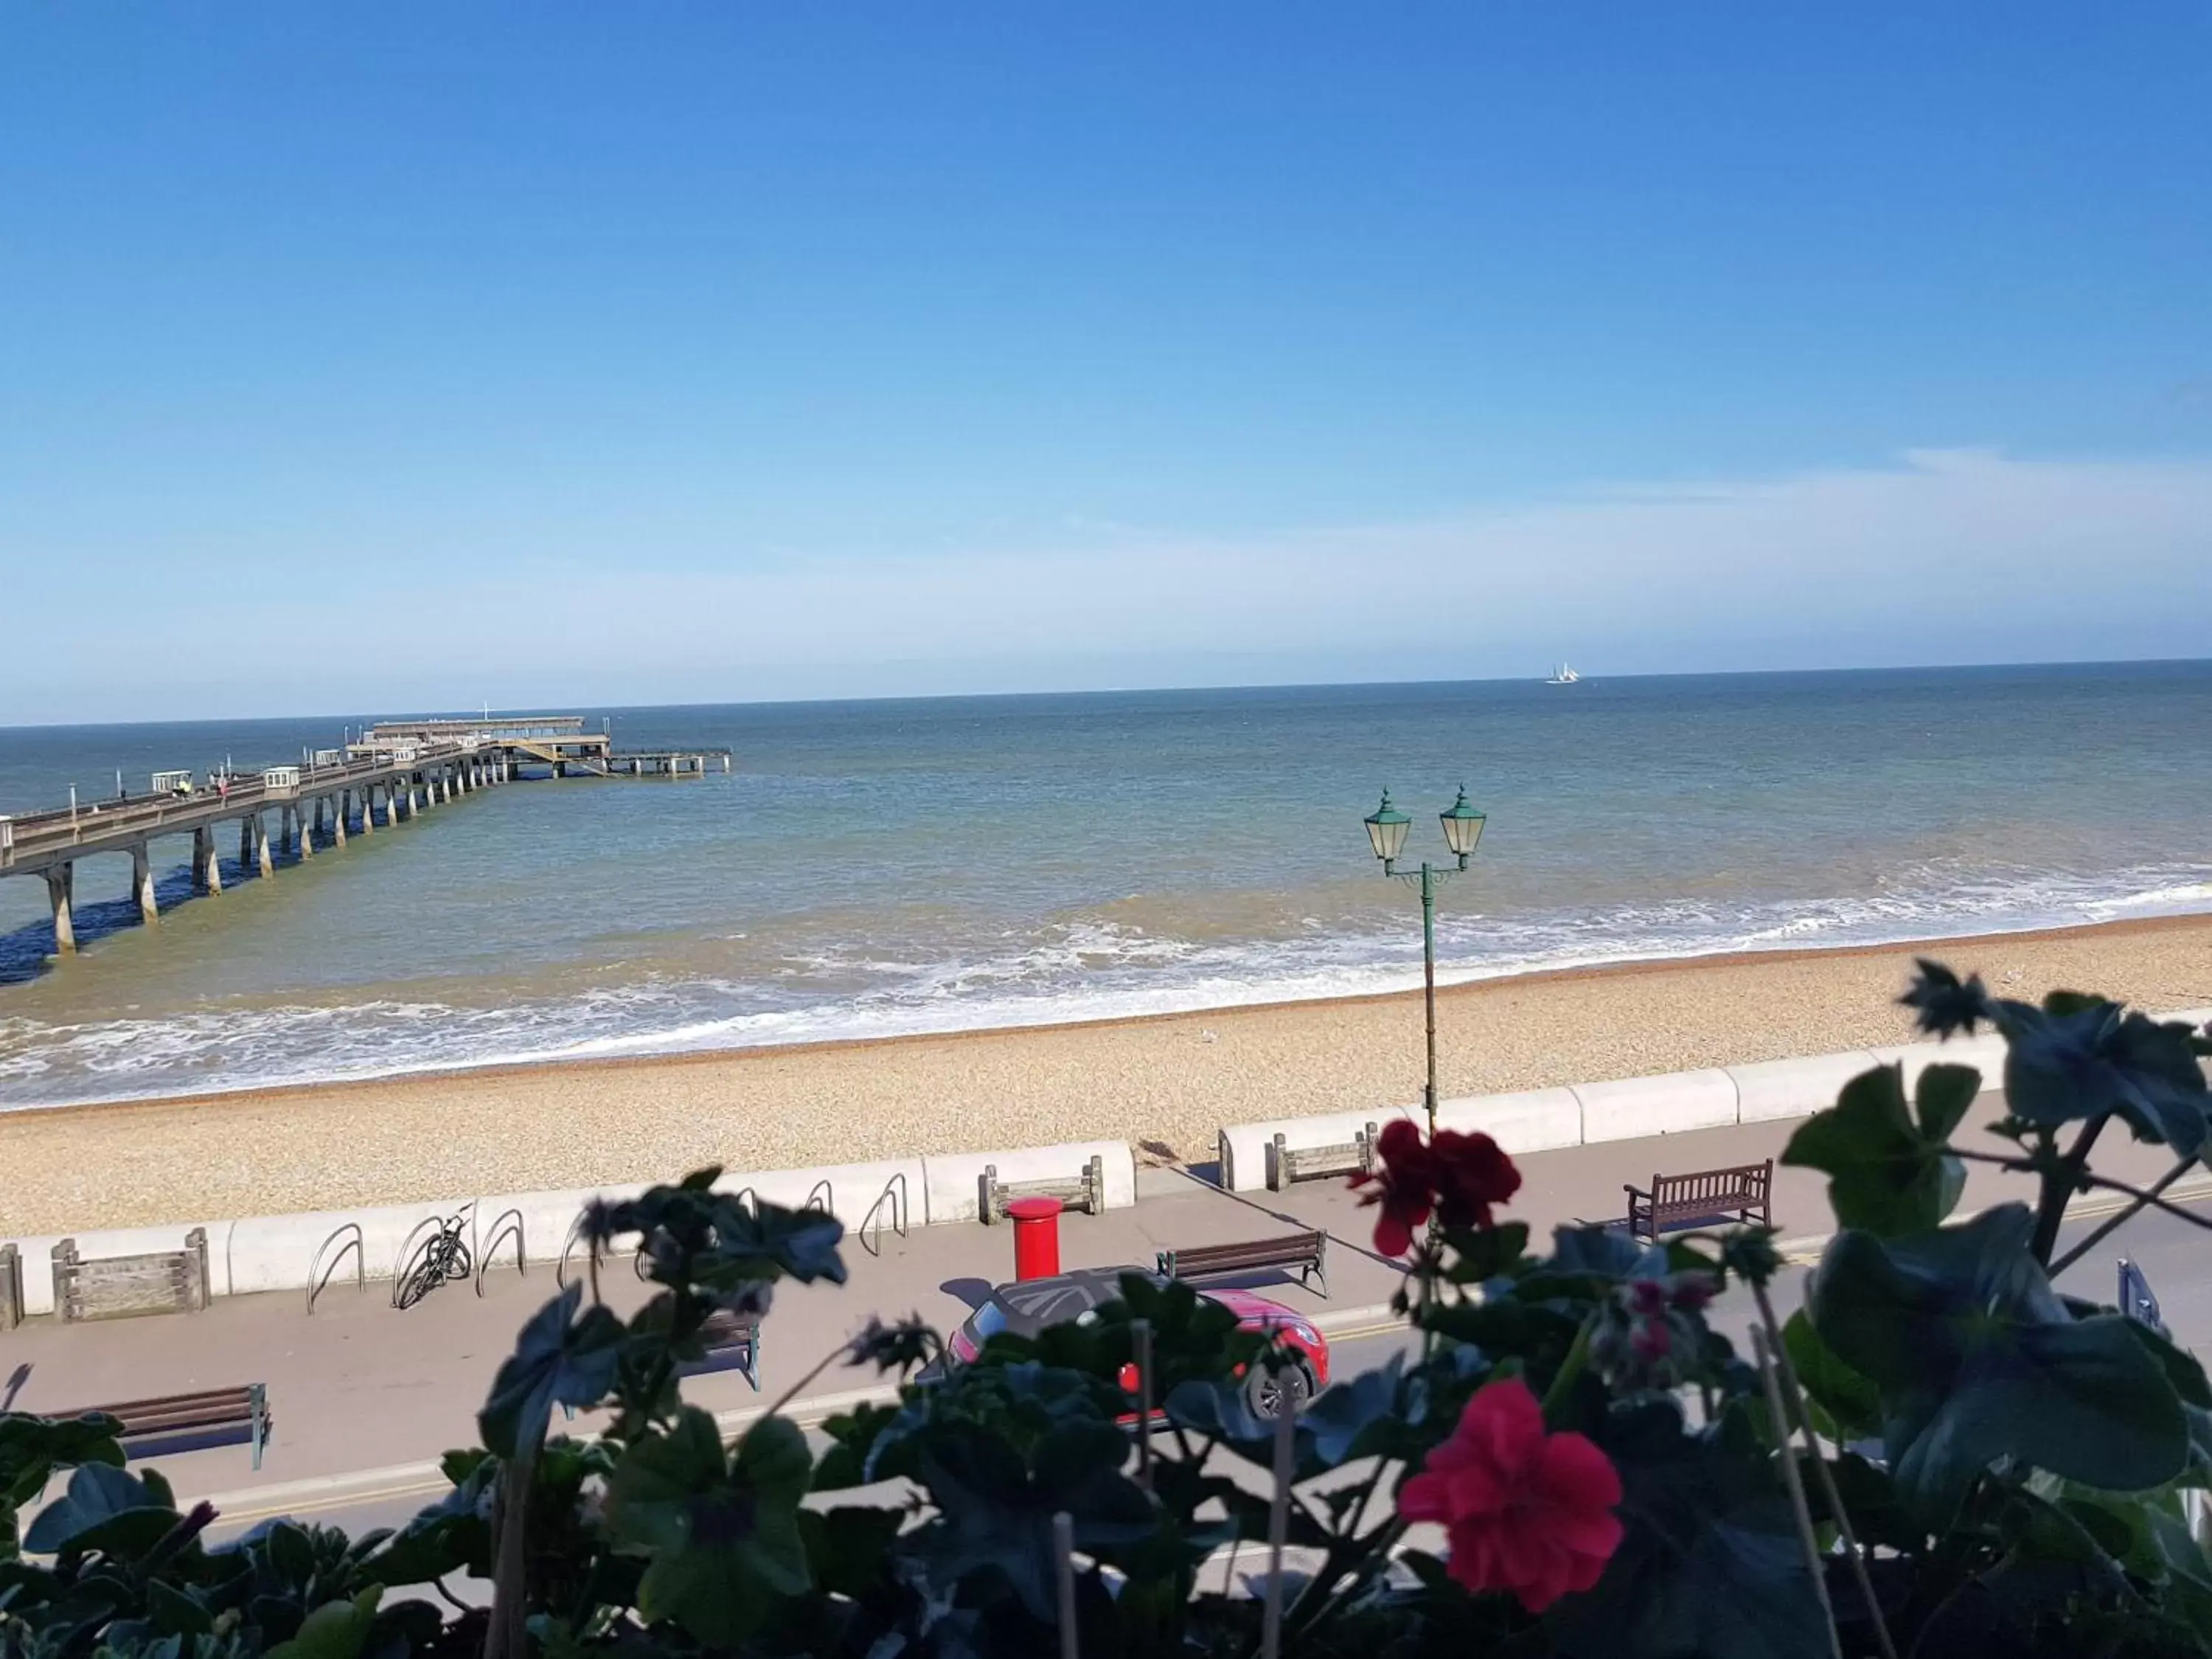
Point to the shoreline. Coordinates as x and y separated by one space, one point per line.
502 1070
1163 1082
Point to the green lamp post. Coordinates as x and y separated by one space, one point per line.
1386 828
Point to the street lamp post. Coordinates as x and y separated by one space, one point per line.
1387 829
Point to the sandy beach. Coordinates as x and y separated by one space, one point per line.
1164 1084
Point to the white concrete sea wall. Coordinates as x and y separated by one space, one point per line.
1245 1148
952 1183
1671 1104
1534 1120
1769 1089
1628 1109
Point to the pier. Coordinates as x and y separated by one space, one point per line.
389 775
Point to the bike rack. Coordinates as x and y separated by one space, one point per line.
895 1195
500 1230
739 1197
821 1198
317 1279
569 1249
432 1224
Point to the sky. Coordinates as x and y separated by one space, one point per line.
418 355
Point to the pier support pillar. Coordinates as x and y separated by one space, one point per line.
61 883
246 845
367 807
301 836
725 765
142 884
258 828
207 867
338 818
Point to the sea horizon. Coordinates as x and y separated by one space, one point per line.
888 868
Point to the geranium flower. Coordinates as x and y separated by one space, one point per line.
1524 1511
1459 1176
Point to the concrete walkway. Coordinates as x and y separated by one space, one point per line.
360 1386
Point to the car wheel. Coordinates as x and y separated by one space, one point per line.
1266 1391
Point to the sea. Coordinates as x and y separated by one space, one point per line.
870 869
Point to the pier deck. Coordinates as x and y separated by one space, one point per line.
404 766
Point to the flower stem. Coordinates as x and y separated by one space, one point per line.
2097 1235
1785 1376
1570 1370
1806 1539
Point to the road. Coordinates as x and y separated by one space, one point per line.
2176 1257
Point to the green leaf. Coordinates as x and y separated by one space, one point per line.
852 1436
1708 1563
32 1447
1941 1097
1845 1407
1342 1417
1976 1358
994 1517
722 1535
105 1510
290 1553
1481 1253
559 1359
336 1630
847 1548
1889 1172
176 1610
2089 1058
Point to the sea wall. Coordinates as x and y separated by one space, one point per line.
1587 1114
279 1252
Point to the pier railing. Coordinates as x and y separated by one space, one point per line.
27 835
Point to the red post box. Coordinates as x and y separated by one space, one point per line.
1036 1236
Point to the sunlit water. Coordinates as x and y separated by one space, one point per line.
884 868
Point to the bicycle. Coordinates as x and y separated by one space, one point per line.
444 1257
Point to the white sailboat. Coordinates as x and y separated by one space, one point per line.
1564 674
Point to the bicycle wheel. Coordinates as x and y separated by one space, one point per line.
423 1276
458 1265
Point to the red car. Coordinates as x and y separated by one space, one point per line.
1029 1305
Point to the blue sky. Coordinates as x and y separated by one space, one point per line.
574 352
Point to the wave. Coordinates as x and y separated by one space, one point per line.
1084 968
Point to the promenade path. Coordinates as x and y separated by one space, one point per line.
362 1387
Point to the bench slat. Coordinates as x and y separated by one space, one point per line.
1308 1252
243 1407
1700 1198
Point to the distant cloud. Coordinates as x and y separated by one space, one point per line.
1946 555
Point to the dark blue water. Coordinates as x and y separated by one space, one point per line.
880 867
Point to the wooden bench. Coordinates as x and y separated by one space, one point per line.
187 1422
1710 1198
733 1344
1307 1252
120 1286
1085 1191
1354 1157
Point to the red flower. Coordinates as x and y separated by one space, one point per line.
1460 1177
1525 1511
